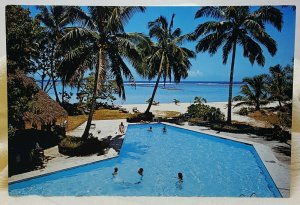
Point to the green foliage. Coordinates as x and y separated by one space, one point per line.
254 91
20 97
19 39
99 42
106 92
176 101
205 113
243 111
199 100
75 146
237 26
280 83
165 57
141 117
11 131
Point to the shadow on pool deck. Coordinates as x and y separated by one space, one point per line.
284 150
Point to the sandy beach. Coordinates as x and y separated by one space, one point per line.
182 108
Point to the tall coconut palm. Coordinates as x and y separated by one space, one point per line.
55 19
237 26
254 92
99 42
280 83
166 57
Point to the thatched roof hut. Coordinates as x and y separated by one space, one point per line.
43 109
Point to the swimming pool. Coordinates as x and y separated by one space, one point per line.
211 166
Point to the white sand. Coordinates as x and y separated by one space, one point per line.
106 128
182 108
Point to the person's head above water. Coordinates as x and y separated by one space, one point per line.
180 176
115 170
140 171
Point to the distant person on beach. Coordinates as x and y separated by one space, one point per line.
164 129
122 128
150 129
115 171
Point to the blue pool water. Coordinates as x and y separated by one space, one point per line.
211 166
184 91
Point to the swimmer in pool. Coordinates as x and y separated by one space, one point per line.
140 172
150 129
115 171
180 180
164 129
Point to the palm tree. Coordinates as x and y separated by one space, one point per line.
55 19
100 43
199 100
254 92
166 56
280 83
237 26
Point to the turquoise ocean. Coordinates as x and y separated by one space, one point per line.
184 91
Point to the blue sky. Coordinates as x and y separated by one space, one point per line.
210 68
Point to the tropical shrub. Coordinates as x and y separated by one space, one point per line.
205 113
243 111
141 117
254 92
76 146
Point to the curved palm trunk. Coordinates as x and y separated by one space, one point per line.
230 84
280 104
153 94
63 91
54 87
257 107
99 68
155 87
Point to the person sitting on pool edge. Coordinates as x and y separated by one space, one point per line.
122 128
164 129
115 171
150 129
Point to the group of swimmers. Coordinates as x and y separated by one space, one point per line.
141 171
122 128
164 129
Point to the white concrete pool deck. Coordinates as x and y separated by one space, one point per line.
279 171
59 162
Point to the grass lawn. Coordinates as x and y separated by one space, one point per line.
269 118
102 114
167 114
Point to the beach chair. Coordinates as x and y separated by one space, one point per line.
135 110
123 110
155 103
93 126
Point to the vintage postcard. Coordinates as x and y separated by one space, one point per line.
165 101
